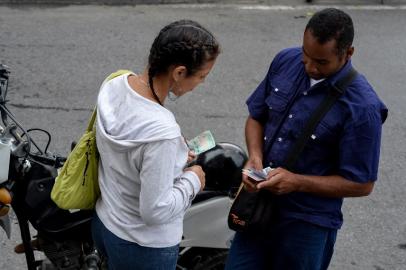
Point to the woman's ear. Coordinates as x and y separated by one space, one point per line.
179 72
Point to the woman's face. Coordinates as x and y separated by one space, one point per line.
187 83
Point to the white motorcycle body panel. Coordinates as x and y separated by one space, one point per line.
205 224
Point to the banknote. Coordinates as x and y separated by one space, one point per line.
257 175
202 142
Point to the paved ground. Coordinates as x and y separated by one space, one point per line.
60 55
242 2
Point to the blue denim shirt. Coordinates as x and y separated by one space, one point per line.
346 142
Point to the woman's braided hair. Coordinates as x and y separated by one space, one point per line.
185 43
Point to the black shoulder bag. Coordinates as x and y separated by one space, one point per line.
254 211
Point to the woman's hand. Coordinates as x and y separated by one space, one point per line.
191 156
200 173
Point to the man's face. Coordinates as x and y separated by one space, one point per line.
322 60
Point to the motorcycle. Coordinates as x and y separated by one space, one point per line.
27 175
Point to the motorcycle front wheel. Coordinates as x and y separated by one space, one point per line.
203 259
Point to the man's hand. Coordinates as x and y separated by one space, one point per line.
280 181
256 163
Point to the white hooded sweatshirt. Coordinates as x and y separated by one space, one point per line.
144 191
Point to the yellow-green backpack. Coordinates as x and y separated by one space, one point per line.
77 185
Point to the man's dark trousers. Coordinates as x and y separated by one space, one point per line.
292 244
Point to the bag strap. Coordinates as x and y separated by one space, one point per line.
92 120
335 91
108 78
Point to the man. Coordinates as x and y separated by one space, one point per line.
340 160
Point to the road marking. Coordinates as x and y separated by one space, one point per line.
290 7
302 7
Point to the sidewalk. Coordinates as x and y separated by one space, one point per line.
241 2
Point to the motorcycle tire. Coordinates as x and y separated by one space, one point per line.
204 259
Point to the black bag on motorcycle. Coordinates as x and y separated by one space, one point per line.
254 211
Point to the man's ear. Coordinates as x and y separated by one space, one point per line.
349 53
179 72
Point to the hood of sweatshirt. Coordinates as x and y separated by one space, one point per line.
125 119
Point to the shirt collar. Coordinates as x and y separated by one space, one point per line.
341 73
332 79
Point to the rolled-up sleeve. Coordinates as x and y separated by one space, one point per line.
256 102
257 107
359 147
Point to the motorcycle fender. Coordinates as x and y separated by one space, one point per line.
5 224
205 224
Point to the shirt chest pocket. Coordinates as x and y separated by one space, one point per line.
276 106
325 134
329 130
280 92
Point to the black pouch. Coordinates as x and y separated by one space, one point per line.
251 211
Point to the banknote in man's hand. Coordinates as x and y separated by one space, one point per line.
257 175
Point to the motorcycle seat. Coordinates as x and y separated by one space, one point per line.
67 225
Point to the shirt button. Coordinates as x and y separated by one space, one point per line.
271 164
265 138
305 93
313 137
276 89
280 139
270 107
290 115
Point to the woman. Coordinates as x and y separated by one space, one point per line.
145 187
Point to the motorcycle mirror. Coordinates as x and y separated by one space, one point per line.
4 74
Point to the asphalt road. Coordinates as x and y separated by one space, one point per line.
60 55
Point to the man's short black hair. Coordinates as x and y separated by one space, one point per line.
332 23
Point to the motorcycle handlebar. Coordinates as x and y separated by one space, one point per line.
55 161
9 131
